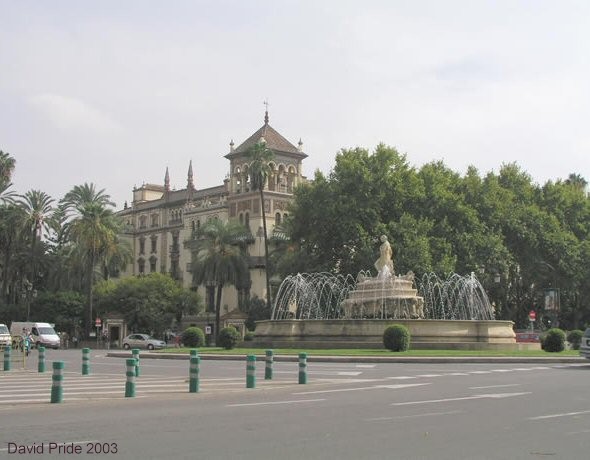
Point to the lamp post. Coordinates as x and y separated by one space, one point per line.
28 290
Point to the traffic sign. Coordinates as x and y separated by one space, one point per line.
97 322
532 315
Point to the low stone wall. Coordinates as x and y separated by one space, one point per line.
425 334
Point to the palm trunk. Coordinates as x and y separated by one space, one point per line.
265 250
218 313
90 297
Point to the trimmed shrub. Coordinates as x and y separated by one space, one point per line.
396 338
193 337
249 336
575 338
553 340
229 337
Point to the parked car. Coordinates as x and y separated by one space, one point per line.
142 341
585 344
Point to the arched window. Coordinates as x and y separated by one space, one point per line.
247 220
141 266
278 218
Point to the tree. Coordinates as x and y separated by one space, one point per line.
7 165
38 209
148 303
94 229
219 258
259 156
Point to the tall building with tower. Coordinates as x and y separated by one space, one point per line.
159 220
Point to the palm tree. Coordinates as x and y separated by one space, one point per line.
259 156
38 209
81 195
7 165
219 258
93 229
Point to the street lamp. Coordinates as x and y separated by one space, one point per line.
28 289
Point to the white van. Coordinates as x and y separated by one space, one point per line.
41 333
4 335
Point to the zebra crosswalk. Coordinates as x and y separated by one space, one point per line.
27 387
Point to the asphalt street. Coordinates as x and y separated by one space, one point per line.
345 411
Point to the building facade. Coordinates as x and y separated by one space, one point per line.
159 220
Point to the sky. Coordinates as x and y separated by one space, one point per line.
114 92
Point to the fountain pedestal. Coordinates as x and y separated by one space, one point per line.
384 297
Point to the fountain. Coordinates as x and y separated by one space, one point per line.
334 311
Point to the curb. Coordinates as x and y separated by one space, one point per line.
365 359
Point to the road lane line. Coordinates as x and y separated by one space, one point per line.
565 414
270 403
426 414
374 387
496 386
465 398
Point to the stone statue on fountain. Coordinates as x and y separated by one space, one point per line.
386 296
384 263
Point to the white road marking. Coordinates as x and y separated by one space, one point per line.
465 398
352 374
402 377
428 375
366 366
496 386
270 403
480 372
374 387
566 414
426 414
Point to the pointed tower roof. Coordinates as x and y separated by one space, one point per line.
167 181
189 183
273 139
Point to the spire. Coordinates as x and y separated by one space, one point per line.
190 185
266 113
167 180
231 146
300 145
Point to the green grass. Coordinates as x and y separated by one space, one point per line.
375 352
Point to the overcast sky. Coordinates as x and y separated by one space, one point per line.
113 92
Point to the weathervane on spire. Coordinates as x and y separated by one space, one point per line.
266 112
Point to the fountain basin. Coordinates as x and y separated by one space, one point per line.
368 333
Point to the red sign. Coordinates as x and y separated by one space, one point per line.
532 315
97 322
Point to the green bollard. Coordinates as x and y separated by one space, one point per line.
302 368
41 364
85 361
130 383
7 352
135 354
57 390
268 365
251 371
193 386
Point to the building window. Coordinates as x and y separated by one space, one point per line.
142 246
154 244
153 261
143 222
155 220
241 219
247 220
141 266
278 218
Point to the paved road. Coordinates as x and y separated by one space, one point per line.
346 411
